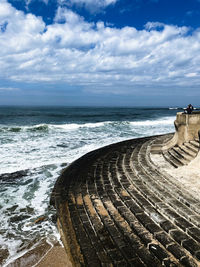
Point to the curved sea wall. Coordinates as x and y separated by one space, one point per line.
116 207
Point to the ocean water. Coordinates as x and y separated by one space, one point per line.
37 142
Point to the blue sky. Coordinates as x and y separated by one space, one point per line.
100 52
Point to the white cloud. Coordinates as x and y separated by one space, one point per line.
192 74
102 3
95 56
28 2
99 3
92 5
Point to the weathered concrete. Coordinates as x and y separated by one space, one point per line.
116 207
184 145
187 127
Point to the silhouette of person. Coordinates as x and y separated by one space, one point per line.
189 109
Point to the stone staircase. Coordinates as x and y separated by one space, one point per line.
181 155
115 207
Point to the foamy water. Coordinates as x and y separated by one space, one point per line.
40 142
33 146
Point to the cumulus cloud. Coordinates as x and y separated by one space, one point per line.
99 58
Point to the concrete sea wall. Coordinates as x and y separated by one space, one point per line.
116 207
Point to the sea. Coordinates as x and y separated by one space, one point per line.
36 143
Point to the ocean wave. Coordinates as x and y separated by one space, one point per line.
162 121
10 129
74 126
14 175
16 129
39 127
77 126
46 127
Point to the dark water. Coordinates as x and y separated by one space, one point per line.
45 115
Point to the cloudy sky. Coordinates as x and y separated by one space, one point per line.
100 52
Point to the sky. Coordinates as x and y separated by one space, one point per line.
100 52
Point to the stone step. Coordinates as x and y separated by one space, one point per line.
72 229
188 151
123 194
168 210
192 147
162 139
158 216
182 201
195 143
105 227
122 215
156 147
125 212
170 183
182 154
165 181
176 157
171 159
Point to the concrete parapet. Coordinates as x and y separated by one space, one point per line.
187 127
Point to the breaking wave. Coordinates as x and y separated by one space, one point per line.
46 127
162 121
76 126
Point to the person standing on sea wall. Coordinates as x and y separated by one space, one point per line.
189 109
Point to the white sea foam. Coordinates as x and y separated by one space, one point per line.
74 126
37 148
46 127
77 126
28 201
159 122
